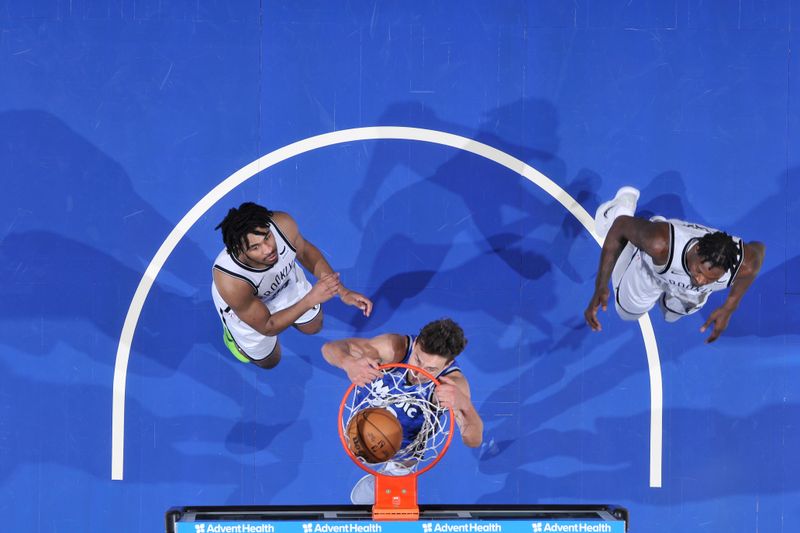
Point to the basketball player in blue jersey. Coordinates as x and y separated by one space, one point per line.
434 350
672 263
258 288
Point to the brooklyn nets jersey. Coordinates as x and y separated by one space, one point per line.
278 286
674 277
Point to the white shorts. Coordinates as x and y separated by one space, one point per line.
250 342
636 291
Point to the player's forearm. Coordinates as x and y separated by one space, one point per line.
738 289
613 245
283 319
470 425
313 261
612 249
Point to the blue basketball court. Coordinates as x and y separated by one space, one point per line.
447 157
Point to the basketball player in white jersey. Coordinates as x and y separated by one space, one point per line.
258 288
672 263
434 350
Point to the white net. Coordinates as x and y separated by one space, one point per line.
425 423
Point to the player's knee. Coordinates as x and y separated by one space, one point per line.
272 360
313 327
316 326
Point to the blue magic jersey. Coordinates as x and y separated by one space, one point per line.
406 399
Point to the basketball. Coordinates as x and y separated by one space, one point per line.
374 434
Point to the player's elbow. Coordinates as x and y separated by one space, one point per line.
331 352
327 349
270 330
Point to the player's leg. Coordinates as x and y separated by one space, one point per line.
635 292
363 492
230 343
311 321
271 360
623 203
247 345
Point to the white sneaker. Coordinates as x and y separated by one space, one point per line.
363 492
393 468
623 203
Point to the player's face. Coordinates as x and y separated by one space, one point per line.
433 364
261 250
701 272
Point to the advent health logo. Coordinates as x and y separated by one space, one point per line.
469 527
576 527
351 527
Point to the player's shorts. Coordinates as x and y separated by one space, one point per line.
636 291
247 344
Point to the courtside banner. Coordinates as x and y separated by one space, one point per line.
422 526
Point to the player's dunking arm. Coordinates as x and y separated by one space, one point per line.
650 237
719 318
312 260
454 392
238 294
360 358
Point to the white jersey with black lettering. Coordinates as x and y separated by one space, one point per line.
279 286
674 276
639 283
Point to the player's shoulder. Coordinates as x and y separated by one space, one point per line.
653 236
391 347
397 341
283 219
754 252
656 228
286 224
233 287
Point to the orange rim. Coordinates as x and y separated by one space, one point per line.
362 465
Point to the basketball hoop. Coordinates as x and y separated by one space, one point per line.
396 477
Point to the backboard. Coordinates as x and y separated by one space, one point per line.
432 519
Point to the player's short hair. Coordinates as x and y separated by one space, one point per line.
719 249
442 337
239 222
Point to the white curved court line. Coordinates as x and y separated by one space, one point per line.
329 139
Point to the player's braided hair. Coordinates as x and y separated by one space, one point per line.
442 337
719 249
239 222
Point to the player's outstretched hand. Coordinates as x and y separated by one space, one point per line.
599 299
449 395
357 299
325 288
362 370
719 318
